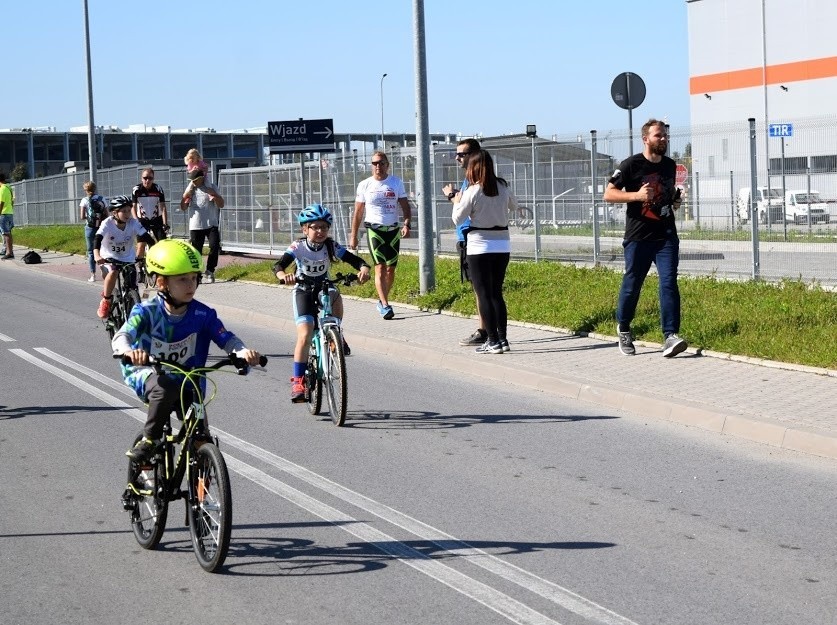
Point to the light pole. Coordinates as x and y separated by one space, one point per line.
532 133
91 137
383 142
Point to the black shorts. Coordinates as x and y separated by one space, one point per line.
384 244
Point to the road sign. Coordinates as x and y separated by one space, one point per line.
301 135
627 90
681 174
780 130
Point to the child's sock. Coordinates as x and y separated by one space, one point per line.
299 369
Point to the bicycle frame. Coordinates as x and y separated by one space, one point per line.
125 295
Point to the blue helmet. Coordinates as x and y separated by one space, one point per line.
315 212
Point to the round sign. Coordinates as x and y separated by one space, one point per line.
681 174
627 90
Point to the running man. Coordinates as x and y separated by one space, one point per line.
378 197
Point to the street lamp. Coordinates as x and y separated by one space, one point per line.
383 142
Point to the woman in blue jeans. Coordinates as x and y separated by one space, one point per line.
92 211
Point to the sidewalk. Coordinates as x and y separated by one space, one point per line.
787 406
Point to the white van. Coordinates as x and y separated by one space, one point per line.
772 207
799 203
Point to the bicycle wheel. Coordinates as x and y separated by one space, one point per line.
335 383
132 297
210 510
115 317
147 492
314 385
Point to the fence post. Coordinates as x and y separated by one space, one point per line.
732 200
754 209
594 194
535 202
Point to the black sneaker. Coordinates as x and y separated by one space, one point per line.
346 349
489 348
626 342
142 450
673 346
477 338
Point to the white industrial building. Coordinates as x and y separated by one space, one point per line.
774 61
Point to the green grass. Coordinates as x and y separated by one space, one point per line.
790 322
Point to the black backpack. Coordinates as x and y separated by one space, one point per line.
32 258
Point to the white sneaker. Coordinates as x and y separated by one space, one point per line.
92 278
210 277
673 346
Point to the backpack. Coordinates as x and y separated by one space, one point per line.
32 257
97 211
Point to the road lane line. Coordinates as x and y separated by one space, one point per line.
91 373
555 593
491 598
559 595
7 339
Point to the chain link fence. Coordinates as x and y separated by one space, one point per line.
559 183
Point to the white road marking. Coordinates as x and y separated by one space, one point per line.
491 598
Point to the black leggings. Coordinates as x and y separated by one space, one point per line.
488 272
197 238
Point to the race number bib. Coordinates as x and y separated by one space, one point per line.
180 351
312 267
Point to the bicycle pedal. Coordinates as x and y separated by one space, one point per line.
128 501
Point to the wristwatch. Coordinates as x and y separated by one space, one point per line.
451 195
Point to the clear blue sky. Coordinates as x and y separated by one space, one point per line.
492 67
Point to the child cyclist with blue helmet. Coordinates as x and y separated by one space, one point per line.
173 325
313 254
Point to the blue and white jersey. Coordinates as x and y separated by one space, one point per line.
184 339
312 262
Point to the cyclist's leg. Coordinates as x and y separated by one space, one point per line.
110 280
304 311
162 392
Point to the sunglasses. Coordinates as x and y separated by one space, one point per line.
462 154
381 163
148 177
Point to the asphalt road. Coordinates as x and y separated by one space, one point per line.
446 499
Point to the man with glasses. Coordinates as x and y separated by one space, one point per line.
464 150
378 197
150 208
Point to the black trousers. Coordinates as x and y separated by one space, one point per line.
197 239
488 272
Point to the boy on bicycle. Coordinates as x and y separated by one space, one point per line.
313 254
173 325
119 233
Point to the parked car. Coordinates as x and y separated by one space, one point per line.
768 202
799 204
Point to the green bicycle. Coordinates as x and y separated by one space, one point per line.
192 453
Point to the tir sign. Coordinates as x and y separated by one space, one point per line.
780 130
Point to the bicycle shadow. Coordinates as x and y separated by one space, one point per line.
435 420
303 557
19 412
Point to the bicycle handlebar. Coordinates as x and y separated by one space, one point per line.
232 359
339 278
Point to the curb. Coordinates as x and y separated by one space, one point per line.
643 405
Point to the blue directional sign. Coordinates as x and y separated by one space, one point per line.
780 130
301 135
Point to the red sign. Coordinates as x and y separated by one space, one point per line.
681 174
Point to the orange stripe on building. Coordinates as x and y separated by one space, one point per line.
775 74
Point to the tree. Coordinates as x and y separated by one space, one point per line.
19 172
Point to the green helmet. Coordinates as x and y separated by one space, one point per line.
173 257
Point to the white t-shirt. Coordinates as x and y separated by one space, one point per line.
119 244
381 199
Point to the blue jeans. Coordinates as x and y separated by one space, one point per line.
89 235
638 258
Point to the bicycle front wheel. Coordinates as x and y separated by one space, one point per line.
146 493
335 380
314 385
210 507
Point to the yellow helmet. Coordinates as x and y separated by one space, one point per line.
173 257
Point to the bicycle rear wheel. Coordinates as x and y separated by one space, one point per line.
314 385
335 383
146 490
132 297
210 510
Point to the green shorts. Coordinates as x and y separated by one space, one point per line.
384 244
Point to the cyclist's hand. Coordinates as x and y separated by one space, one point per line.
286 278
250 355
100 261
138 357
363 275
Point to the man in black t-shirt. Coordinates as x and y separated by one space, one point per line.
150 208
645 182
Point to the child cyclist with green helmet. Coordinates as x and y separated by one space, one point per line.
313 254
173 325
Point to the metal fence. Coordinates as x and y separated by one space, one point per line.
562 216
